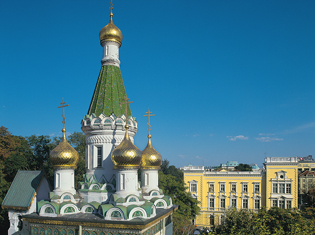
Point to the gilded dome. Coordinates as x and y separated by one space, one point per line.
151 159
64 156
111 32
126 155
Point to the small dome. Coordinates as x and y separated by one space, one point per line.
64 156
126 155
151 159
111 32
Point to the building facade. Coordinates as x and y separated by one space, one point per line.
276 185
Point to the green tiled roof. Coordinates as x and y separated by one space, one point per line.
22 189
109 93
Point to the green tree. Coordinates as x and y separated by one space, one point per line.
172 183
243 167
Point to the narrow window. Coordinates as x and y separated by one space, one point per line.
193 188
211 188
281 188
122 181
245 188
222 188
281 204
245 203
222 204
275 188
288 189
233 189
257 203
274 203
57 180
289 204
146 179
256 188
99 156
211 203
233 202
211 220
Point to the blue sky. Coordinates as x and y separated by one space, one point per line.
226 80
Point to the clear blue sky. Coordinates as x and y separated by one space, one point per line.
227 80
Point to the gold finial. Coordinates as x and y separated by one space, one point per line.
111 10
63 117
126 99
149 115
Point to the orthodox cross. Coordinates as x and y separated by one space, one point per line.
126 104
111 6
63 112
149 115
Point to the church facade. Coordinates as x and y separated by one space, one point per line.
110 199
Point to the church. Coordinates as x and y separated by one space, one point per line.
110 199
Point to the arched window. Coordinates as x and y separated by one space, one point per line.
67 197
132 199
89 210
160 204
69 210
49 210
154 194
137 214
95 187
86 186
116 214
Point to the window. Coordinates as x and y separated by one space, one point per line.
233 188
245 188
211 203
288 189
95 187
281 188
281 204
116 214
274 203
222 187
67 197
289 204
222 203
275 188
211 188
160 204
193 187
69 210
256 190
154 194
233 202
99 156
211 220
137 214
245 203
257 203
49 210
122 181
89 210
132 199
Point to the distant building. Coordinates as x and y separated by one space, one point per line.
306 181
229 165
276 185
306 164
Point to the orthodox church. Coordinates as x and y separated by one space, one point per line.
110 199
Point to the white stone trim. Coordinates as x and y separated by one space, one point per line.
110 211
76 210
138 209
43 208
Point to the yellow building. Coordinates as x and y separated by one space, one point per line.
276 185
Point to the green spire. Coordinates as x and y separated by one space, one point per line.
109 93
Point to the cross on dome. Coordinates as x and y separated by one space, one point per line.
149 115
63 113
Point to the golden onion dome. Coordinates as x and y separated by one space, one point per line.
111 32
126 155
64 156
151 159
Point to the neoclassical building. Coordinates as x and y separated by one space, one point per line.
217 191
110 199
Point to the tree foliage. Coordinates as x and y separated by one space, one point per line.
172 183
243 167
273 221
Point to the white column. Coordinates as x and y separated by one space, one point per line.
110 53
149 180
64 181
127 182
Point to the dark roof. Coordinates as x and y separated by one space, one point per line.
305 173
22 190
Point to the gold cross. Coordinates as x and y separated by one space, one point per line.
63 112
149 115
111 6
126 103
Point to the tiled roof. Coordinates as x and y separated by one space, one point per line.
22 189
109 93
305 173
